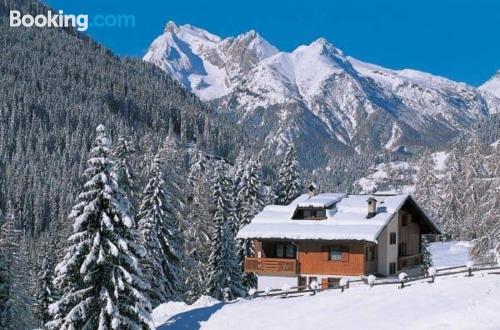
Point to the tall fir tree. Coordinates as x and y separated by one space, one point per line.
14 285
249 201
288 186
453 208
100 277
475 186
224 273
487 242
198 226
426 254
45 291
123 169
426 186
159 235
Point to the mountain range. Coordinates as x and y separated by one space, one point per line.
317 97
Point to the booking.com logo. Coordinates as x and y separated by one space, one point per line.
80 22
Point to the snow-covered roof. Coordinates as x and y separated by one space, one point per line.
321 200
345 221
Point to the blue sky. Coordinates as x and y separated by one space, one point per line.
458 39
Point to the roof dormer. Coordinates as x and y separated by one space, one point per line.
309 213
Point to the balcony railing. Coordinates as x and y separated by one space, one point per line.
270 265
409 261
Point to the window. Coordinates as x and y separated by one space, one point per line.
392 268
310 214
285 251
302 281
321 214
404 221
312 279
392 238
335 253
370 253
333 282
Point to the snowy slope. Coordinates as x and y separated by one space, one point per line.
455 302
378 176
315 95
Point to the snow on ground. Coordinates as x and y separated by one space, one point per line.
449 254
166 314
456 302
452 302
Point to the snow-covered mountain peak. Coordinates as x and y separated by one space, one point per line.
170 26
492 86
250 44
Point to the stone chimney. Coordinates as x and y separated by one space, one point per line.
312 189
372 207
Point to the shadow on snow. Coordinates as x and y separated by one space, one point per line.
190 319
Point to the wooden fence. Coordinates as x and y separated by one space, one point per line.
421 276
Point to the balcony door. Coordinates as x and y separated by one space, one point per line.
285 251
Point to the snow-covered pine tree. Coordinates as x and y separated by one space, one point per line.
14 298
475 186
100 277
453 208
426 186
159 235
487 243
123 170
288 186
198 225
249 201
224 272
45 292
238 169
426 254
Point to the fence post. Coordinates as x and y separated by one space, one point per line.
343 283
432 273
402 278
469 266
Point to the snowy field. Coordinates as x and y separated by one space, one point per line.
452 302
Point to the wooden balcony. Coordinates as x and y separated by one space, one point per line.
270 265
409 261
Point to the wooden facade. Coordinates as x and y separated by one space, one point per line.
398 248
310 257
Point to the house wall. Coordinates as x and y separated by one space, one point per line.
388 253
275 282
409 234
313 258
371 266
